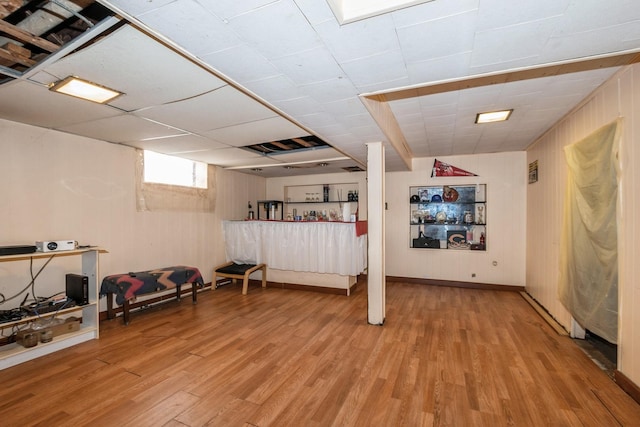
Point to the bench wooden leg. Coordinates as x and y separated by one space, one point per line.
245 283
178 292
125 312
194 292
110 313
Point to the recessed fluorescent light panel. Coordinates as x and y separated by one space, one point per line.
85 90
493 116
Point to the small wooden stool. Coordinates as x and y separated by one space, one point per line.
240 271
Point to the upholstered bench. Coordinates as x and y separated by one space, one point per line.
126 287
235 271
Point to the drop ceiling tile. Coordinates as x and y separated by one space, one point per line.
299 106
377 69
271 129
432 11
348 107
316 120
185 145
416 137
277 29
405 106
586 44
241 64
121 128
496 13
412 125
331 131
131 62
191 26
311 66
440 99
359 39
302 169
442 68
42 78
36 105
217 109
435 39
468 98
316 11
276 88
319 154
356 122
519 44
230 157
227 9
331 90
136 8
599 15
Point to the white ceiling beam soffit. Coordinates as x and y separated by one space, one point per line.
377 103
386 120
555 69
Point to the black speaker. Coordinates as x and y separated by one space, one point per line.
78 288
17 250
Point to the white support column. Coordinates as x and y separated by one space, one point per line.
376 251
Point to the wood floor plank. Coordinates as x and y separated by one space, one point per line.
278 357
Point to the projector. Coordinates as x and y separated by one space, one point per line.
56 245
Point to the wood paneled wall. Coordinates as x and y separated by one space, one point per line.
620 96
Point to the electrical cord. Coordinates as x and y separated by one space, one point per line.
31 284
35 310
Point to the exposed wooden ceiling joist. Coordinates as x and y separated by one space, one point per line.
26 37
12 53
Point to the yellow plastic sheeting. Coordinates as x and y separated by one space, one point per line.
588 285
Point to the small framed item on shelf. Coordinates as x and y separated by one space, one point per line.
423 195
457 239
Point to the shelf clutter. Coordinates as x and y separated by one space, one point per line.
448 217
48 325
322 202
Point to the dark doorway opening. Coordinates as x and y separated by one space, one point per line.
601 351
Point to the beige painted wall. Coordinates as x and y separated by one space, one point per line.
505 176
59 186
620 96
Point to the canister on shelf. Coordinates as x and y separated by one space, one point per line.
468 217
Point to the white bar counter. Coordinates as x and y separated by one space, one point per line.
324 254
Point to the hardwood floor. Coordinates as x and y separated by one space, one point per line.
276 357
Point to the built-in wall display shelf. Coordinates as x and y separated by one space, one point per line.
448 217
330 202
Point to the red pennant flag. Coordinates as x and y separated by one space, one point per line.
445 169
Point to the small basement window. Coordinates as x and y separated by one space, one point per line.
171 170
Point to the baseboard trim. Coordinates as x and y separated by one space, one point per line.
320 289
311 288
544 314
627 385
456 284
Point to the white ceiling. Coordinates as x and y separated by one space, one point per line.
219 74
